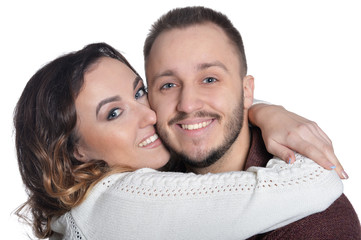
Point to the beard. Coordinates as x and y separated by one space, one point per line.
232 129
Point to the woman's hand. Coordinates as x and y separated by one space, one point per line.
285 132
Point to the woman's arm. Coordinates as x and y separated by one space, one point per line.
159 205
285 132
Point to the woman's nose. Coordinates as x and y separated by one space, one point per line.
147 116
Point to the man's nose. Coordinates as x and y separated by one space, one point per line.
189 100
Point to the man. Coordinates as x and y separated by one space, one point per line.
308 139
198 85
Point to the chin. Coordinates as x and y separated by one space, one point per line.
160 162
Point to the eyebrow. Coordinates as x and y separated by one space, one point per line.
136 81
116 98
199 67
203 66
105 101
166 73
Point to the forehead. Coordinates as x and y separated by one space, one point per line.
106 65
107 70
107 77
194 44
194 35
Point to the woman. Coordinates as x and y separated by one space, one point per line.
87 147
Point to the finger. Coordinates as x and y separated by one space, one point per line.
310 128
281 151
313 150
329 152
320 133
309 143
324 135
312 133
339 169
308 150
321 158
322 143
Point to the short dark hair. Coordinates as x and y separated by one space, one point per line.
185 17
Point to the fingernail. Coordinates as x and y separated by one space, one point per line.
333 167
289 160
344 175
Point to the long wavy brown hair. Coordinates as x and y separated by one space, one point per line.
45 136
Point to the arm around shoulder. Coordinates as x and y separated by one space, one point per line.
213 206
312 188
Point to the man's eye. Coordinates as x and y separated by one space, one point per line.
114 113
168 85
209 80
140 93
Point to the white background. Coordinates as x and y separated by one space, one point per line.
304 55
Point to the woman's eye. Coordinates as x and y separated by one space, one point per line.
140 93
168 85
209 80
114 113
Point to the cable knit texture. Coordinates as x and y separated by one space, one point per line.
147 204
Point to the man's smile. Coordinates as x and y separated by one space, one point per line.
196 125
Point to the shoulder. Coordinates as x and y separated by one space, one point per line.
338 221
65 227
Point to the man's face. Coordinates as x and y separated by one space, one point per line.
195 87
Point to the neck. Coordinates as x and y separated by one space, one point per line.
234 159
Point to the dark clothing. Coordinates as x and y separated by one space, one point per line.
337 222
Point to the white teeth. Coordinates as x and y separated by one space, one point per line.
148 140
196 126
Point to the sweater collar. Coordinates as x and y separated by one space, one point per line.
258 155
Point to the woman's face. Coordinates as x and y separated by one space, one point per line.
115 123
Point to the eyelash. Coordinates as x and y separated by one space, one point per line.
116 112
170 85
111 115
167 86
208 78
144 89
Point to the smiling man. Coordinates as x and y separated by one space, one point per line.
198 85
201 95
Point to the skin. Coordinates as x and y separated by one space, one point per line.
294 132
186 78
114 119
303 136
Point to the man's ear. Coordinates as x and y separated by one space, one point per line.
248 91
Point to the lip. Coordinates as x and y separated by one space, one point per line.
151 141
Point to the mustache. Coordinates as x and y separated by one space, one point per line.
182 116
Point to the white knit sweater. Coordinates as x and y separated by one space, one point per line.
147 204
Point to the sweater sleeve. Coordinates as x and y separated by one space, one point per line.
147 204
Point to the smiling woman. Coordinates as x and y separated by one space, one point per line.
83 124
295 60
113 103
